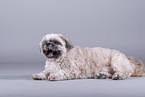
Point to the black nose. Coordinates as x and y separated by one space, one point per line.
47 44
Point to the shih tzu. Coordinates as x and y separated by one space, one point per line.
65 61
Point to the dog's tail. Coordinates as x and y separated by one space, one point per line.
138 70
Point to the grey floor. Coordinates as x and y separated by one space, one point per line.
15 81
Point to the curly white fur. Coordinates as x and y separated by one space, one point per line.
85 62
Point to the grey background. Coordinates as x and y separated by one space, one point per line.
118 24
115 24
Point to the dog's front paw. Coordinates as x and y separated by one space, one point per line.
52 78
38 77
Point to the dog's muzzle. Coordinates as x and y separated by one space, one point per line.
50 50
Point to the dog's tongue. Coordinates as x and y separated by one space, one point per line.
50 54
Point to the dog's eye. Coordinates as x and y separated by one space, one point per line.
57 43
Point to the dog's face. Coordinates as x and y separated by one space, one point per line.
54 46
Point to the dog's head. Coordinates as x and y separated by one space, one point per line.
55 46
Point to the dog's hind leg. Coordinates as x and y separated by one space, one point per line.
121 66
104 73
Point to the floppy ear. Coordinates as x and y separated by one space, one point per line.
68 45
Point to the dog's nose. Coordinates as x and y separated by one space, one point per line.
47 44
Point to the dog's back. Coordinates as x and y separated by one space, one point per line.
101 58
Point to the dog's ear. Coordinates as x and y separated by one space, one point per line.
69 44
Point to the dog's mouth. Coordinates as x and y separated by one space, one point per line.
52 53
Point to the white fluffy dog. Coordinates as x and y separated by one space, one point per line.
65 61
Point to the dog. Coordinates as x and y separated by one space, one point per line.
65 61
